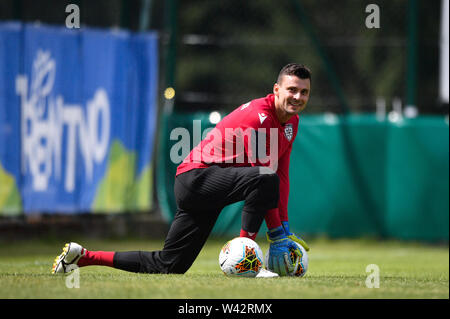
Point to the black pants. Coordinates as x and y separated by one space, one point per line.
200 195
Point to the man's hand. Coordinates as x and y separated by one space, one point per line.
293 236
280 249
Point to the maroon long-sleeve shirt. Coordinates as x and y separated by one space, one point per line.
251 135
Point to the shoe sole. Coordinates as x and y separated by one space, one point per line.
60 259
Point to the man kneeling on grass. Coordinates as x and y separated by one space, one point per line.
225 168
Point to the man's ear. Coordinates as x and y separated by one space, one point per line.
276 88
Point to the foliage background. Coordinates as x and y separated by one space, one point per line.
228 52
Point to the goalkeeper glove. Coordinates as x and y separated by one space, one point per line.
294 237
280 249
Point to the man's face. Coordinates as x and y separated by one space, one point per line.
291 95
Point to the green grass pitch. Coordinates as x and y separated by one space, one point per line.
337 269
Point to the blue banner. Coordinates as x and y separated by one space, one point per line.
77 118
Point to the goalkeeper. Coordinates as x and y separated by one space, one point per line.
244 158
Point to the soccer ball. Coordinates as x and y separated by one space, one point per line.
300 263
241 257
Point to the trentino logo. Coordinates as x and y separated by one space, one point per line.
45 115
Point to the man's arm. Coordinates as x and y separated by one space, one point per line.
276 216
283 174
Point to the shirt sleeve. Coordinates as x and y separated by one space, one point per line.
275 216
283 174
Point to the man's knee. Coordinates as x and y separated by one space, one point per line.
269 181
267 189
178 268
178 262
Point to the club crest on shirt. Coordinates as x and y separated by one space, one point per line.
288 131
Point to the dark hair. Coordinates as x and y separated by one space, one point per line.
298 70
